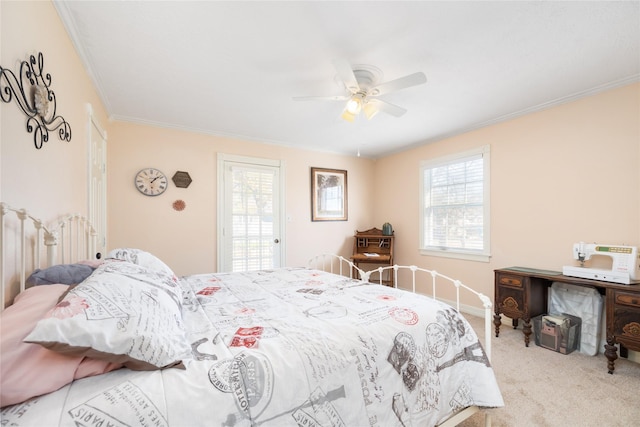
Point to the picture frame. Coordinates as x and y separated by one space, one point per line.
328 194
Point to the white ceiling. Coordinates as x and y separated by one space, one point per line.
232 68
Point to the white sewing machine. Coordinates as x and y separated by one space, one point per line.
625 268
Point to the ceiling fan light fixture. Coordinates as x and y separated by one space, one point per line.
354 105
363 87
350 117
370 110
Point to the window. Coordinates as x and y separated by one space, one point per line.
454 206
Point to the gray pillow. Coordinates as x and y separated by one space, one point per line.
65 274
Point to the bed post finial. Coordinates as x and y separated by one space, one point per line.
51 242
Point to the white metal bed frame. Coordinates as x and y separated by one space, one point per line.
337 264
69 239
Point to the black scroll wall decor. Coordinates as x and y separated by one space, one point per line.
30 89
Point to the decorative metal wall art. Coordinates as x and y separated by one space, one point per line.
32 94
179 205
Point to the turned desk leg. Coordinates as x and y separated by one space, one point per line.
611 352
526 330
497 321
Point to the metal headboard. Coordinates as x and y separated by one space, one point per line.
69 239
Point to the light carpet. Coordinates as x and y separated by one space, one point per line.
543 388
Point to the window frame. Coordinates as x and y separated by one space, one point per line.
483 255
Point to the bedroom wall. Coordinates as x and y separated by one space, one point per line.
559 176
53 180
186 240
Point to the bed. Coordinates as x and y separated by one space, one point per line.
132 344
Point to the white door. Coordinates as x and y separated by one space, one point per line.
98 182
249 213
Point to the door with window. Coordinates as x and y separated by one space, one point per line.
249 213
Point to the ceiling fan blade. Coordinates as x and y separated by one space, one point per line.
345 72
321 98
384 106
397 84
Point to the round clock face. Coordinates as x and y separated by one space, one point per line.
151 182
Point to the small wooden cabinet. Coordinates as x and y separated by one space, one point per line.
373 249
515 300
623 326
521 293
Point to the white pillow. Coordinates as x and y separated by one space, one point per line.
142 258
123 313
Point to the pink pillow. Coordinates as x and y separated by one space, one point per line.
29 370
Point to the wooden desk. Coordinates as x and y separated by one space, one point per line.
373 247
521 293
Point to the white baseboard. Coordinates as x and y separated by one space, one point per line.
465 309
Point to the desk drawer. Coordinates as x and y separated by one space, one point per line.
511 301
626 318
509 280
629 299
626 326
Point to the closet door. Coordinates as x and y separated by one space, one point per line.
249 214
98 182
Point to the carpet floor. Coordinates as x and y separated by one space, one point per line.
543 388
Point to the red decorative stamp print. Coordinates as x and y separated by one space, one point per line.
209 290
245 311
386 297
404 315
247 337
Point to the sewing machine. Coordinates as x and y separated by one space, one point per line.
624 269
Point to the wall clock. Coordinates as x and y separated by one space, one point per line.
151 182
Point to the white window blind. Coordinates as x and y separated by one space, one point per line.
455 205
252 218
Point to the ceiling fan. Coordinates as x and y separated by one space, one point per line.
363 89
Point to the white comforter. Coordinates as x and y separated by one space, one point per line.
290 347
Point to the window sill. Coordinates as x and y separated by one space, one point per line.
456 254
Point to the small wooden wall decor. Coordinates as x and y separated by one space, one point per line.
30 89
181 179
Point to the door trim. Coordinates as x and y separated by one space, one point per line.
222 159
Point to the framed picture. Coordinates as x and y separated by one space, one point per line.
328 194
